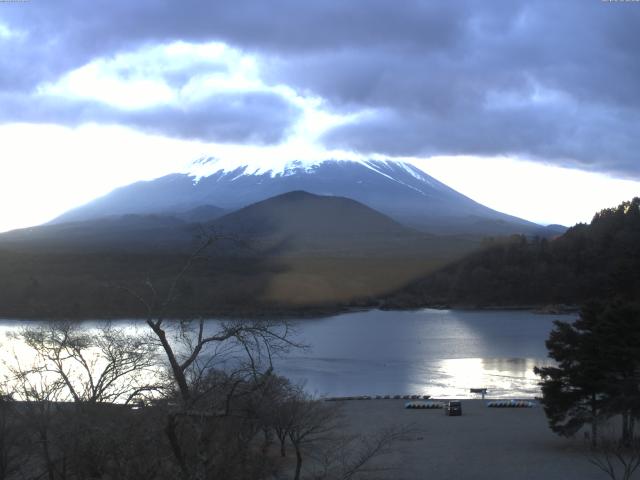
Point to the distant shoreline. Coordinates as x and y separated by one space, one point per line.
304 313
428 398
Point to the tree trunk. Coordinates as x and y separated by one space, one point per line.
268 440
626 441
594 422
283 451
178 373
172 436
202 442
298 463
47 455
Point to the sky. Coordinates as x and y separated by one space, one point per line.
529 107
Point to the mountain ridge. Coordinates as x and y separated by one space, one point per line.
397 189
293 222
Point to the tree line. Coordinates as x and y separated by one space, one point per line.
599 260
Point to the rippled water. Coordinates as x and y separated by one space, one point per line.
435 352
442 353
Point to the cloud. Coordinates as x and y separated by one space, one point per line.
257 118
552 81
565 133
546 80
247 117
206 92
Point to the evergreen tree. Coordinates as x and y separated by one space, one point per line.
598 370
618 331
572 392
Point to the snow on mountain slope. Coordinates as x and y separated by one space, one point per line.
399 190
205 167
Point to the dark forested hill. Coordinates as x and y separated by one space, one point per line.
304 214
598 260
292 253
303 223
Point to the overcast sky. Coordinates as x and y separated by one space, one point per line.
531 107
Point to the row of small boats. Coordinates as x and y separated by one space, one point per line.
490 404
379 397
511 404
425 405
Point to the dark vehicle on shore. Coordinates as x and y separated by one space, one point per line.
453 408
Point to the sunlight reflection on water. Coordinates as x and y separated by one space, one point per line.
442 353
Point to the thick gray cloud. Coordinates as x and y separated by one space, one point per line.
547 79
256 118
48 39
554 81
250 117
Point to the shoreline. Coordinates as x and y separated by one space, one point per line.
429 398
305 313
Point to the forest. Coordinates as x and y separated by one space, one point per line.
599 260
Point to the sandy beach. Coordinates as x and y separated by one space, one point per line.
483 443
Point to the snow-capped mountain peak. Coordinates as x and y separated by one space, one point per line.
208 166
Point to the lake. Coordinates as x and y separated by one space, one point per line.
442 353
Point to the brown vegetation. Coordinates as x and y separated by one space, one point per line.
84 285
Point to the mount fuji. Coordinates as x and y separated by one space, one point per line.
313 237
397 189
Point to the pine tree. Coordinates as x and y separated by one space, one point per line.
598 370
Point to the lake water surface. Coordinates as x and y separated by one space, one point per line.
442 353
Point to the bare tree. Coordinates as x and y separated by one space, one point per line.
281 416
617 459
311 422
193 347
211 370
348 457
222 372
316 431
212 365
12 439
87 367
40 395
106 365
